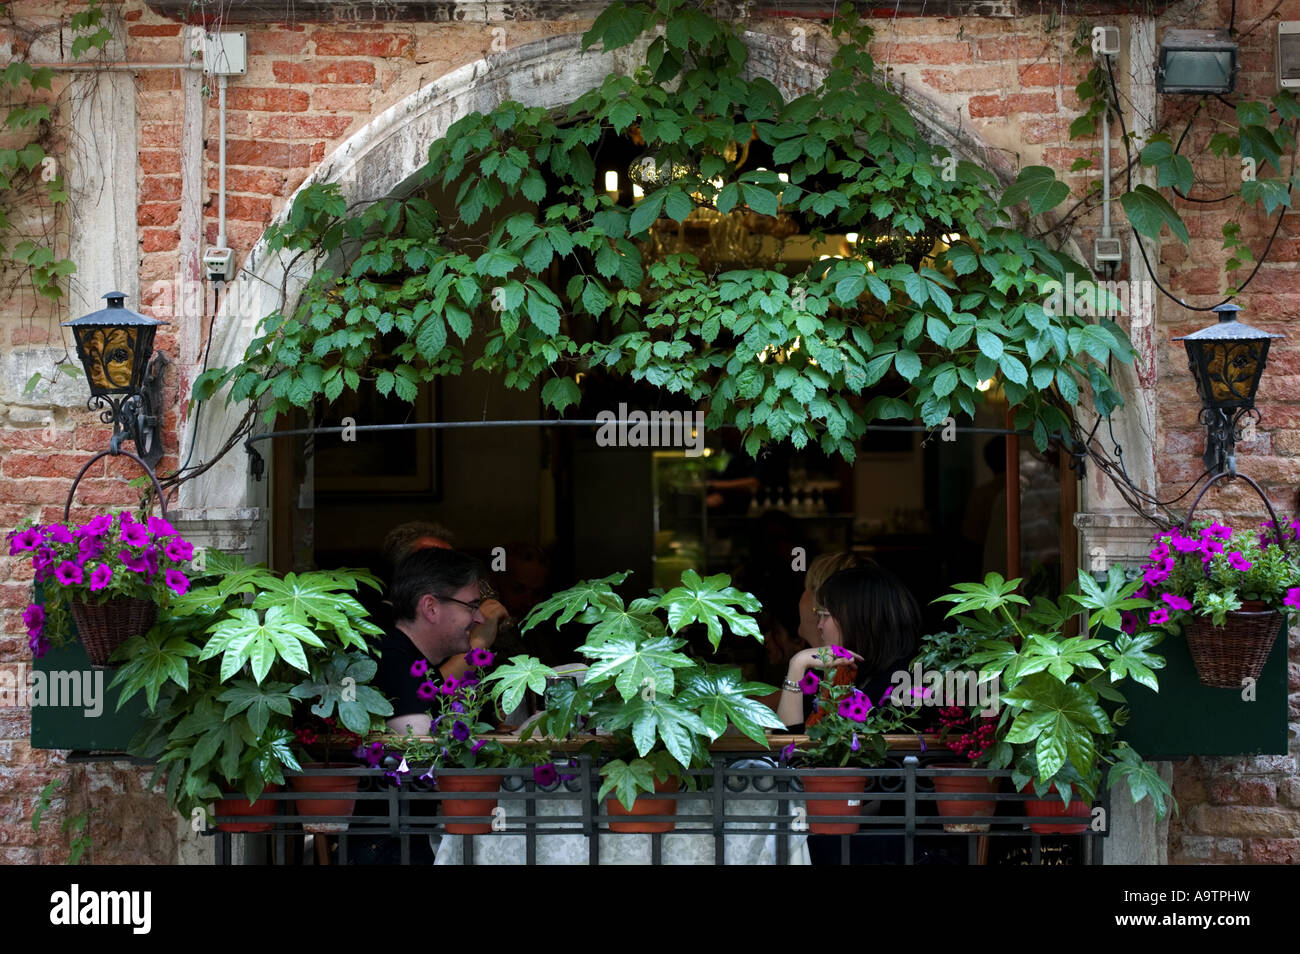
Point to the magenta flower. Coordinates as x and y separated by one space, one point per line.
1158 615
427 690
1212 546
60 534
89 548
419 668
99 577
34 619
42 561
398 773
450 685
98 526
1159 552
38 644
1186 544
1238 562
459 731
1176 602
478 745
809 683
545 775
160 527
1292 597
839 652
134 535
69 573
178 550
28 539
136 564
479 657
787 753
177 582
855 706
1128 622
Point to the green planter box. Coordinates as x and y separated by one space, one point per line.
1186 718
85 718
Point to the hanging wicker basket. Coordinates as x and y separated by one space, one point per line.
102 627
1226 655
105 626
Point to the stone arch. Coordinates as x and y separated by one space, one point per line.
385 155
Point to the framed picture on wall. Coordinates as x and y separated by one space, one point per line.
383 462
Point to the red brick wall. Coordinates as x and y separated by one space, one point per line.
309 86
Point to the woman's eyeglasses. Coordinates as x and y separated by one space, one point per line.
821 612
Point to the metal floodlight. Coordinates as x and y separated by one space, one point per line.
115 345
1227 361
1197 61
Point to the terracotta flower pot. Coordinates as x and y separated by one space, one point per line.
844 784
645 806
103 627
238 804
324 806
1054 808
963 785
467 807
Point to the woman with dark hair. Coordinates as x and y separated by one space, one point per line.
867 611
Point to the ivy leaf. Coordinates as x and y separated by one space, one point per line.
1149 213
560 393
1038 186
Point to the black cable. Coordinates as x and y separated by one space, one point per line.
1138 238
1179 145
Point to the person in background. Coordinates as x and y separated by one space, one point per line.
409 538
868 611
821 568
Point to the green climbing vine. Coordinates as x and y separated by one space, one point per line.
872 335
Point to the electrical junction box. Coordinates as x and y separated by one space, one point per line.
219 264
1105 41
1106 251
225 54
1288 54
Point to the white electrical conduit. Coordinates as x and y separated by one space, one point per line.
221 161
1105 173
117 66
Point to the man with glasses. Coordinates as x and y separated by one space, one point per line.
437 601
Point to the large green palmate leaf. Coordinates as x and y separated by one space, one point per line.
569 603
313 598
342 683
257 702
720 695
637 667
516 677
655 718
153 659
1129 658
245 637
711 601
1061 723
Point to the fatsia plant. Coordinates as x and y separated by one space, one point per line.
661 706
1061 704
230 663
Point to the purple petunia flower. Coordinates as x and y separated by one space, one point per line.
450 685
545 775
160 527
151 559
373 754
136 564
98 526
1186 544
1158 615
459 731
178 550
787 753
69 573
59 534
573 764
478 745
24 540
89 548
34 619
479 657
42 562
419 668
809 683
99 577
1238 562
1128 622
397 774
426 691
177 582
134 535
853 744
1176 602
1292 597
457 707
839 652
39 645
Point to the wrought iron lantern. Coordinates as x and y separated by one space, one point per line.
1227 361
115 345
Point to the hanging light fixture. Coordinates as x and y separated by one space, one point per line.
115 345
1227 361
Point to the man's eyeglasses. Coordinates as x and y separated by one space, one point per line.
473 606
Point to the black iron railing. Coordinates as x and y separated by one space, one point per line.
744 809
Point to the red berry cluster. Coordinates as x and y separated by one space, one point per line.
967 740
